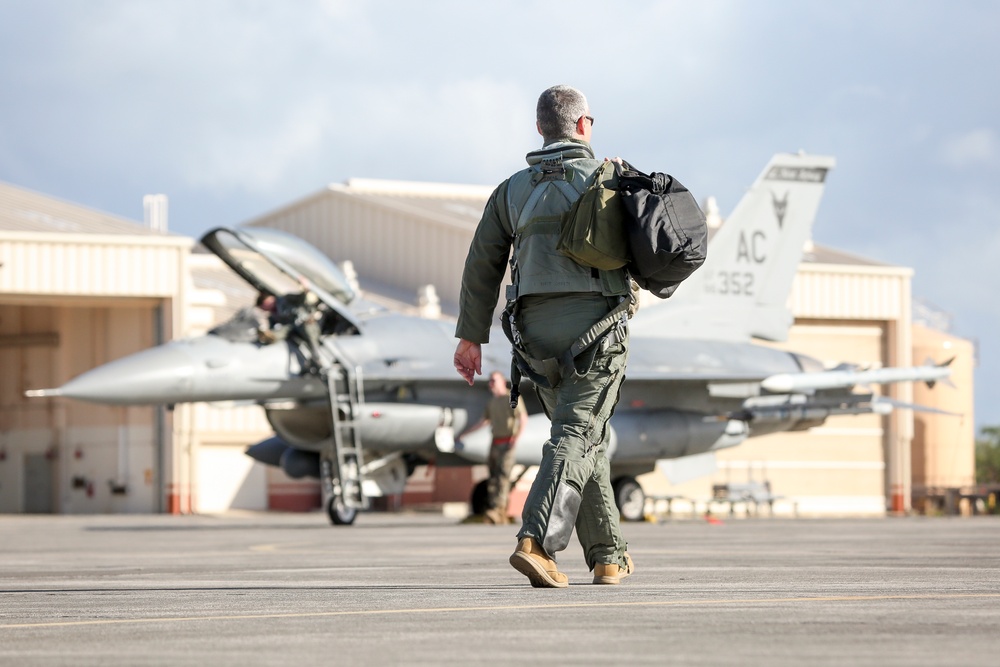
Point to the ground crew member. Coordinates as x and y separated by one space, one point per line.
506 424
298 314
551 304
262 312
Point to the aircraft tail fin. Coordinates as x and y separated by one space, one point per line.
742 289
944 364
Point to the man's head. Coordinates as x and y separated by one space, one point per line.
498 384
563 113
266 302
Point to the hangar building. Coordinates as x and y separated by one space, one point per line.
79 288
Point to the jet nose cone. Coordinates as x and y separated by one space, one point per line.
159 375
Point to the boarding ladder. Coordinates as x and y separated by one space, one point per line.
343 459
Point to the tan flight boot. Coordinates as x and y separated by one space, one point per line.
612 574
531 560
496 517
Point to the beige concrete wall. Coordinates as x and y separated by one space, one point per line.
851 292
944 445
223 476
229 479
835 469
91 264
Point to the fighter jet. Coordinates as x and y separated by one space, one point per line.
358 395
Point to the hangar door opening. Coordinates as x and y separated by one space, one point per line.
62 456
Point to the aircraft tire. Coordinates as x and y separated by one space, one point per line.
340 515
479 497
629 498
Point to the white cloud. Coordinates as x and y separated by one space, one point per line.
972 148
256 158
461 131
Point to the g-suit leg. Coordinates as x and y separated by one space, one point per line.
572 486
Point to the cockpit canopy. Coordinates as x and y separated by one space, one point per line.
278 263
273 261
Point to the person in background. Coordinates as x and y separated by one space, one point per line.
506 424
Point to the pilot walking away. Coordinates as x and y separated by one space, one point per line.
552 303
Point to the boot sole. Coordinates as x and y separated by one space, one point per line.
535 573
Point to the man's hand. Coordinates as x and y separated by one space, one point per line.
469 360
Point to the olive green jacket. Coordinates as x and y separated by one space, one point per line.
545 271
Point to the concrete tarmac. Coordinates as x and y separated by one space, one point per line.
420 589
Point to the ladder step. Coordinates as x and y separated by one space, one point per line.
346 392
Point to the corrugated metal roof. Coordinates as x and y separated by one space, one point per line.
442 203
24 210
462 206
457 203
464 212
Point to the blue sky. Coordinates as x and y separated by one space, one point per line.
233 108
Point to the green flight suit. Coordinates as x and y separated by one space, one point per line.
556 305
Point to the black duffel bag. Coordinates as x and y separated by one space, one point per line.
667 234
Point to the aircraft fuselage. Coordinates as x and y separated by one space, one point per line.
410 393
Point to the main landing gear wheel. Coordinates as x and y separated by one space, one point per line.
480 497
340 514
630 498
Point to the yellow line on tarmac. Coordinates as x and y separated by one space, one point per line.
524 607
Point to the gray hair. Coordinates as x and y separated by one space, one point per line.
558 109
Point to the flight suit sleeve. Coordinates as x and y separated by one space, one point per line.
485 267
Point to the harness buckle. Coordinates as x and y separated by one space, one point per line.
551 169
